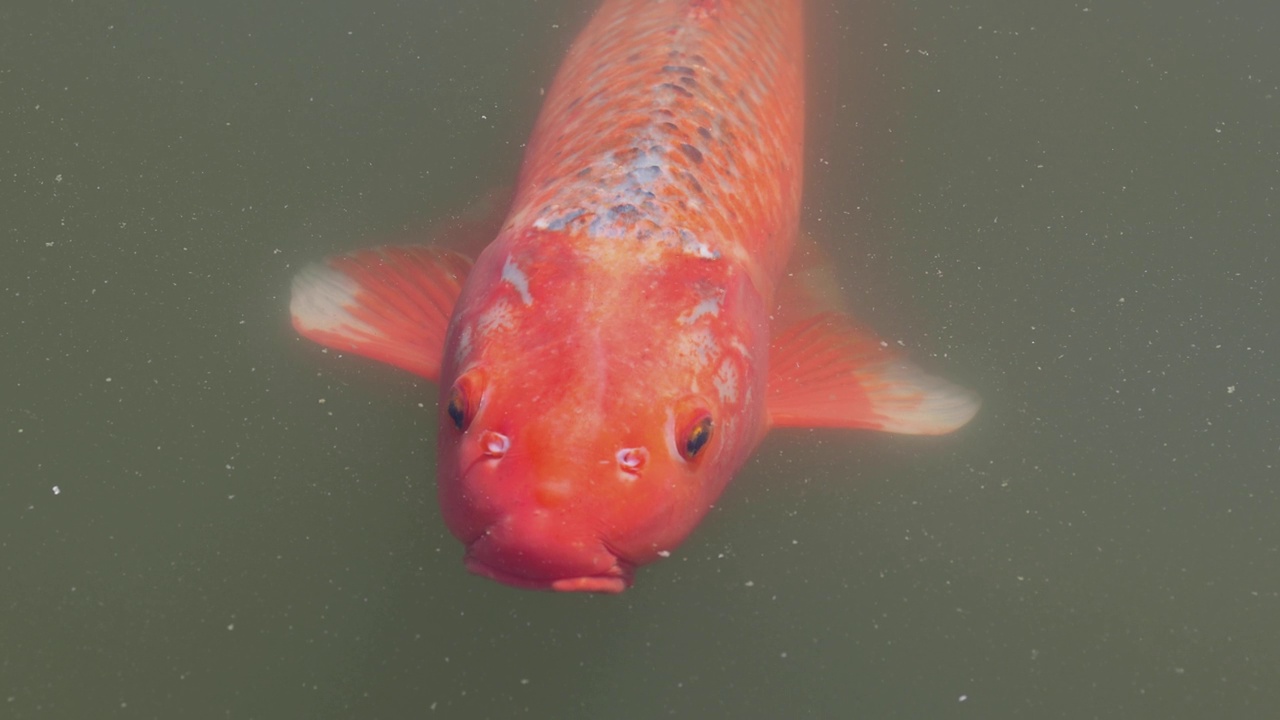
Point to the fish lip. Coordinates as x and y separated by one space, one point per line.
518 550
612 581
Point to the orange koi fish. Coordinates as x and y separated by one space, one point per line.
609 362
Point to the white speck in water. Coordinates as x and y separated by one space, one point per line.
664 553
962 698
57 490
1231 389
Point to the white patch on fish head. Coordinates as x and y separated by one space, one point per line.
726 381
499 316
700 346
464 346
708 305
513 275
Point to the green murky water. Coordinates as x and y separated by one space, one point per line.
1069 207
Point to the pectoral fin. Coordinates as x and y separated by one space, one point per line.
824 372
389 303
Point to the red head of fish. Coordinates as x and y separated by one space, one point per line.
604 372
589 419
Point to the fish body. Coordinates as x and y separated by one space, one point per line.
609 362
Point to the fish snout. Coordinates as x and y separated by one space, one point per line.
537 550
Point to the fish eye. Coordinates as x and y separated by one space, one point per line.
696 436
464 399
458 409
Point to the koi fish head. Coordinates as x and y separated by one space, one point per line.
586 425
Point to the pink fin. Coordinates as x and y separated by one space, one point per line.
390 303
823 372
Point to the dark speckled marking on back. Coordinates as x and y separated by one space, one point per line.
674 120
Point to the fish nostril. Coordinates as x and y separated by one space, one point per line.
632 460
494 444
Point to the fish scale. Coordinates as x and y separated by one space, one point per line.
644 127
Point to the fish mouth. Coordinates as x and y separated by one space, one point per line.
536 562
612 581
